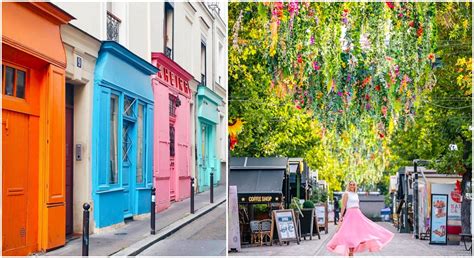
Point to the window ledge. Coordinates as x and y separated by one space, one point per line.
110 190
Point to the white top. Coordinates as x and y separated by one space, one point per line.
352 200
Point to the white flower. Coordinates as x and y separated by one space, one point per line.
364 41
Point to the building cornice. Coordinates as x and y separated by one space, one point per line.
128 56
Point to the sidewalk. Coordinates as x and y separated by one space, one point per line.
169 220
401 245
305 248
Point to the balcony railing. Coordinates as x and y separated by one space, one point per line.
113 27
169 52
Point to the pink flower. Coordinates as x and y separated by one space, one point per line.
293 7
390 5
312 40
316 66
384 111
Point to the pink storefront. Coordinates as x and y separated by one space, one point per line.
172 153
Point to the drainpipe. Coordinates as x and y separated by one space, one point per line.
214 13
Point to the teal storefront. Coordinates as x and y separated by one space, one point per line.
206 137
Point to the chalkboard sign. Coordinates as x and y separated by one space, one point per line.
283 221
439 219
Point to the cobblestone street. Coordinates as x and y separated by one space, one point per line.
401 245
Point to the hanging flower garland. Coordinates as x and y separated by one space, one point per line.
356 67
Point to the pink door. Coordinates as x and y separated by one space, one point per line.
161 158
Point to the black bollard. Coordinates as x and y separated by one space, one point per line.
212 187
192 195
85 229
152 211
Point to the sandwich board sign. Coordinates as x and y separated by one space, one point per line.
284 223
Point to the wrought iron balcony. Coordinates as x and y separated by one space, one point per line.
113 27
169 52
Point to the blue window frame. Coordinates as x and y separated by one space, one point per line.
124 127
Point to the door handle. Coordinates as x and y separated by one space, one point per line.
5 122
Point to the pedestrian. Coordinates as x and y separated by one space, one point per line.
356 233
336 210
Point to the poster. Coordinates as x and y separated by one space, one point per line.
286 225
454 202
439 218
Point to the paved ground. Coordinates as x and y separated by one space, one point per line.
108 243
203 237
401 245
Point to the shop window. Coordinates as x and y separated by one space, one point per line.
128 107
126 142
140 145
204 144
172 134
172 105
14 82
113 138
169 30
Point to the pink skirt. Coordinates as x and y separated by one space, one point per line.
360 233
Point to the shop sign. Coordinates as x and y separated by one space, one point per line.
172 79
259 198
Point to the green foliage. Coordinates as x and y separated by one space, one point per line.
319 195
444 113
308 204
357 89
261 208
295 203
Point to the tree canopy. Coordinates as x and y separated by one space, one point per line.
357 89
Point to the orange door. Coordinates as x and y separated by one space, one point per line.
17 185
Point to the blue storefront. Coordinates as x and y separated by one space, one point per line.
206 137
122 132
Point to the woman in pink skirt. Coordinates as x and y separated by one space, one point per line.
357 233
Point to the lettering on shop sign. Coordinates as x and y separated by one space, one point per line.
172 79
260 199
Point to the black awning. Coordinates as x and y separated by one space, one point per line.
258 185
270 163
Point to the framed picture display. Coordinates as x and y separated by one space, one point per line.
439 219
